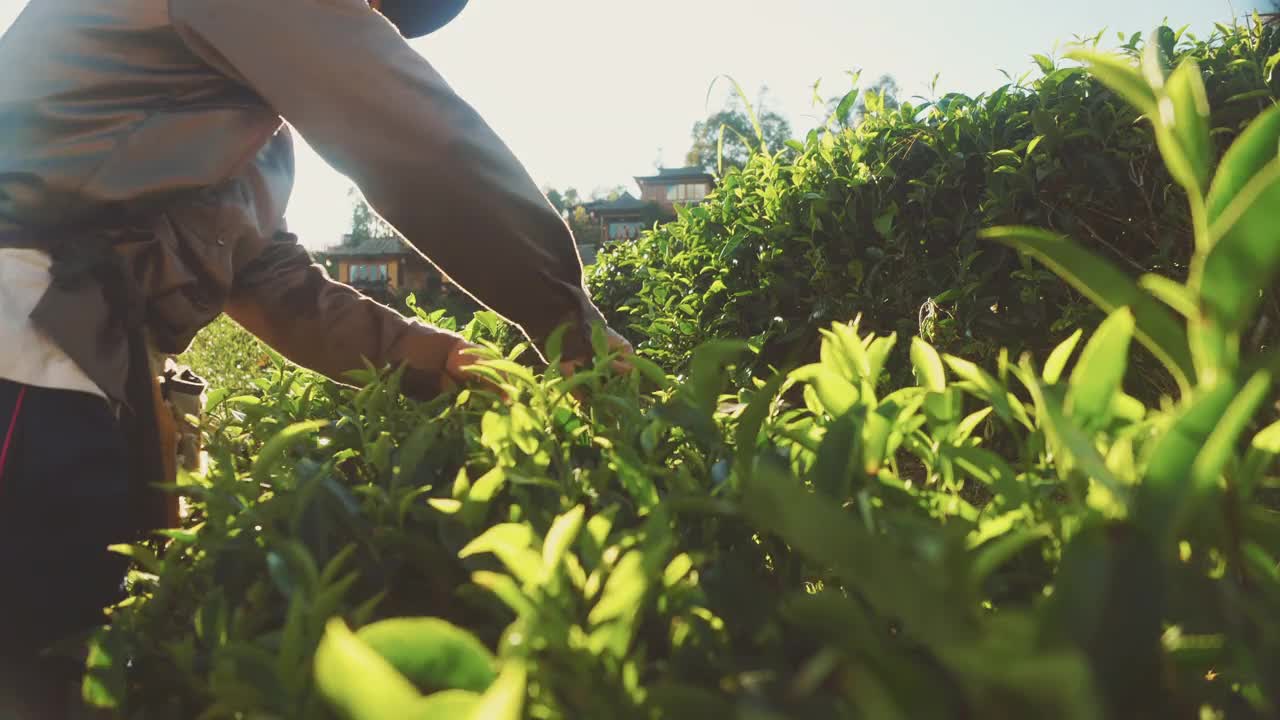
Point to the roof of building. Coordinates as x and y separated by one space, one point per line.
692 172
386 245
625 201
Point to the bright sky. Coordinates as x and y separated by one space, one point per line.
589 93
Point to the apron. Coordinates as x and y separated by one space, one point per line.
159 399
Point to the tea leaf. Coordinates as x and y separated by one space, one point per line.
445 705
1121 77
276 447
833 469
1245 256
1190 121
1110 290
1097 378
627 584
504 700
1263 451
928 365
1256 148
1160 499
893 581
356 680
564 531
1057 361
1177 296
432 653
1220 445
837 394
512 543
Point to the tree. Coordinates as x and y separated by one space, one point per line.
365 223
740 139
569 204
608 192
885 89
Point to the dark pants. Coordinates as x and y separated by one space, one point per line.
63 500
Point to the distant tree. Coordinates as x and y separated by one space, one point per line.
365 223
569 204
885 89
555 197
607 192
740 139
586 230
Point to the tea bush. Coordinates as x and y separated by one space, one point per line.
653 546
882 219
228 356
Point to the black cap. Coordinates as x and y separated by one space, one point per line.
416 18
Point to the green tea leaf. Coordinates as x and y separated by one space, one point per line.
512 543
1110 290
1073 444
1177 296
143 556
987 386
1262 452
930 373
1220 445
504 700
1246 254
1057 361
896 582
1256 148
1109 601
105 681
1098 375
753 419
356 680
446 705
877 353
623 591
432 653
276 447
837 394
970 423
1166 488
1190 120
832 472
507 591
992 554
564 531
1123 79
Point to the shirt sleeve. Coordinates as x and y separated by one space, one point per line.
343 76
289 302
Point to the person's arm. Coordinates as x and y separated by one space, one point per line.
424 159
290 303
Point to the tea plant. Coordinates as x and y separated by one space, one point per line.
883 218
1013 538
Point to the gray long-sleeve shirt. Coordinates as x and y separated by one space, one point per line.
167 114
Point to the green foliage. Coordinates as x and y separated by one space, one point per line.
849 539
849 110
730 136
881 219
228 356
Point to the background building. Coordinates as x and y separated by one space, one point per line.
626 216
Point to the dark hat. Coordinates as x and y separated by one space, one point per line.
416 18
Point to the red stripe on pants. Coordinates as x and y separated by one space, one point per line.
8 436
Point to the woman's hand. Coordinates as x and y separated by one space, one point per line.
616 343
459 368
